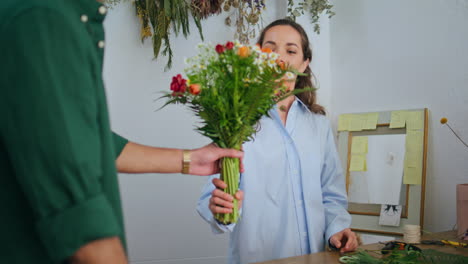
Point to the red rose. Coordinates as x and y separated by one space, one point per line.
178 84
229 45
219 48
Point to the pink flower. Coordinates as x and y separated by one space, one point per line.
229 45
219 48
178 84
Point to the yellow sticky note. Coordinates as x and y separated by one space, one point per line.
343 122
371 121
413 159
414 120
355 123
414 140
398 119
358 163
359 145
412 175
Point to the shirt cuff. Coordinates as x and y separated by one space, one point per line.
219 228
64 233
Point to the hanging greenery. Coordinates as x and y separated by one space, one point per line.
157 16
161 17
314 7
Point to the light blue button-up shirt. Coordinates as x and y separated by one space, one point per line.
294 190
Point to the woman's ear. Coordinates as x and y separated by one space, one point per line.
304 65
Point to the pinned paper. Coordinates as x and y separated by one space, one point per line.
343 122
398 119
359 145
414 140
390 215
370 121
414 120
412 175
356 122
413 159
358 163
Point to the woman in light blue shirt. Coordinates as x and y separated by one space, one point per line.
293 188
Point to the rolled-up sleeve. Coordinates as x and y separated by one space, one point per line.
333 189
51 131
119 143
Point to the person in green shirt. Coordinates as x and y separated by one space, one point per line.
59 194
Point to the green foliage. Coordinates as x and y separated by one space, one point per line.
406 256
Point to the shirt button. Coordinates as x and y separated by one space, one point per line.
102 10
101 44
84 18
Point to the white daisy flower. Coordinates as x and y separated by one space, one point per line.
274 56
289 75
271 63
256 49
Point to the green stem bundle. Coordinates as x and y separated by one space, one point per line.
230 175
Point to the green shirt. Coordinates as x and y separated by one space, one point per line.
58 180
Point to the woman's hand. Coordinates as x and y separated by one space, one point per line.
221 202
344 240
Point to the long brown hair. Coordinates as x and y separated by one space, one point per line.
309 98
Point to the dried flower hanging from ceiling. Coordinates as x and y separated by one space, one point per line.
158 17
246 15
206 8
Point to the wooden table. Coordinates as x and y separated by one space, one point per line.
332 257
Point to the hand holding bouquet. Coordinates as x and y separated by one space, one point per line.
230 87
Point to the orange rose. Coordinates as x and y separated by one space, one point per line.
267 50
243 51
194 89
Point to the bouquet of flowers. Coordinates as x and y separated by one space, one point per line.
230 87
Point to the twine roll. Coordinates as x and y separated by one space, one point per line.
412 234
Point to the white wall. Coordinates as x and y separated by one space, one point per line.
391 55
162 225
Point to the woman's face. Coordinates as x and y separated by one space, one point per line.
286 41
